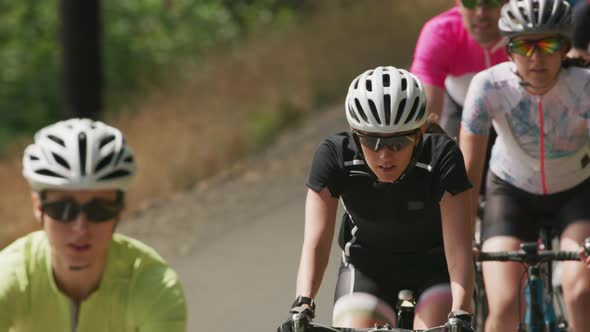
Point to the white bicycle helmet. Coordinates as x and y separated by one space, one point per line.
520 17
386 100
78 154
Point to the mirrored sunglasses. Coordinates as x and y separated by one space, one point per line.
545 46
395 143
96 211
471 4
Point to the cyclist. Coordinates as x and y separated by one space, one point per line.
406 224
452 47
77 274
540 161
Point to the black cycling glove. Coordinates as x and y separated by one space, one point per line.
464 319
301 313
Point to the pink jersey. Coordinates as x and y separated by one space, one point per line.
448 57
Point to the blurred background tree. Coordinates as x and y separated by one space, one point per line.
140 39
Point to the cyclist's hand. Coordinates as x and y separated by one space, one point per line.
298 317
462 319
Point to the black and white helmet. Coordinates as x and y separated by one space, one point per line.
520 17
386 100
78 154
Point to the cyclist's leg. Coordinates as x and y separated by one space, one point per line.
434 294
507 222
575 277
357 302
433 306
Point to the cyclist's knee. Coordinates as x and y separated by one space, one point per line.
362 310
433 306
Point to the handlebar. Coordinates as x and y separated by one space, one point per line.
530 254
300 324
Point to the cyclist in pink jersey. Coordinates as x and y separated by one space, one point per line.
452 47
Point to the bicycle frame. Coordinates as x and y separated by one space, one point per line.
540 313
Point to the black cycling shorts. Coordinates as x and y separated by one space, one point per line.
416 272
514 212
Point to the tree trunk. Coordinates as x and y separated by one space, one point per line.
80 33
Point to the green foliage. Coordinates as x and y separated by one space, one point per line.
141 39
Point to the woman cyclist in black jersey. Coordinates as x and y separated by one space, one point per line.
406 225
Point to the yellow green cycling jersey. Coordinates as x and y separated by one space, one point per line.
138 291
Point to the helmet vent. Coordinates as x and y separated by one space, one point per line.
387 108
104 162
356 83
57 140
374 111
360 109
421 113
128 159
386 80
106 141
115 174
61 160
413 110
49 173
350 111
400 111
369 85
82 153
404 84
31 157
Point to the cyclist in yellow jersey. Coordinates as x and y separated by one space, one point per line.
77 274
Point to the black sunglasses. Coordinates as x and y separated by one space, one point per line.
96 211
395 143
471 4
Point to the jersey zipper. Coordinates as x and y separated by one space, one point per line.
542 146
75 310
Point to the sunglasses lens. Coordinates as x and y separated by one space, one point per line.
369 141
522 47
545 46
64 211
100 211
549 45
95 210
395 143
471 4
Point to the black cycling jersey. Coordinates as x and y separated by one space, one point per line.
387 218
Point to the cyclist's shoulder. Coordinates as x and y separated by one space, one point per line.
577 75
438 143
497 76
134 253
21 259
338 145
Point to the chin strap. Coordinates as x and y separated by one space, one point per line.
522 82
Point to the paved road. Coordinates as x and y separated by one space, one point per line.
235 240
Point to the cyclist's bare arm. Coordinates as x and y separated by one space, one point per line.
320 220
458 237
435 95
473 148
